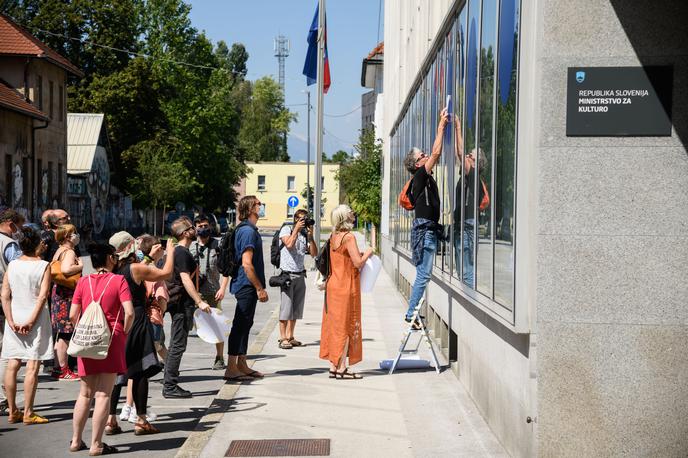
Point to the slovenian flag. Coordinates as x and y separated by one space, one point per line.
310 67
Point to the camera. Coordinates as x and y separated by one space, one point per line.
282 280
308 221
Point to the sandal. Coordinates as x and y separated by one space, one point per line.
106 450
35 419
143 429
347 375
111 430
333 374
284 344
16 417
82 446
295 343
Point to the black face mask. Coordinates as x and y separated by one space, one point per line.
203 232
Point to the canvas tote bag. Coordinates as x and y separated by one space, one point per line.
92 335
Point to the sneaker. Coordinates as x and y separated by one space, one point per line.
67 375
176 392
55 373
126 411
150 415
219 364
133 417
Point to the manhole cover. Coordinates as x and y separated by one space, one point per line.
279 447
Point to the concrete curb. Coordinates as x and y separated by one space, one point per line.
203 431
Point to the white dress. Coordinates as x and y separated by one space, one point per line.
25 279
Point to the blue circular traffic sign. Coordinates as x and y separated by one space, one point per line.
293 201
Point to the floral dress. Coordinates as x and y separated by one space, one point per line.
60 302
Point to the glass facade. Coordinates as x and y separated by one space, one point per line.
474 72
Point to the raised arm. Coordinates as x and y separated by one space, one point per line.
439 138
458 138
149 272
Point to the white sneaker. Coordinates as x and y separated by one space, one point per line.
150 415
126 411
133 418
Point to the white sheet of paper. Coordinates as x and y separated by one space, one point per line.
212 327
369 274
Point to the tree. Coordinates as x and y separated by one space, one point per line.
340 157
361 180
265 122
159 178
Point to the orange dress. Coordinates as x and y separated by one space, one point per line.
342 311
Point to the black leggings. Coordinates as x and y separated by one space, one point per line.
140 391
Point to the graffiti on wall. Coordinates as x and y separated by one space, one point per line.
98 187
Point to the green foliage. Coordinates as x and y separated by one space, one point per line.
216 118
160 177
307 201
265 123
340 157
361 179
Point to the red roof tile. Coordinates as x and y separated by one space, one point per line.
13 100
15 41
379 49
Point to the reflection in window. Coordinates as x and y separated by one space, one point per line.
458 136
468 175
505 153
484 249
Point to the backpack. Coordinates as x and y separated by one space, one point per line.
227 263
404 198
276 247
92 335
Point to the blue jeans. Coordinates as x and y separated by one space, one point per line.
423 271
468 251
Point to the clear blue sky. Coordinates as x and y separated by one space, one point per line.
352 33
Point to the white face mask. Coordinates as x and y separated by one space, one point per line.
76 238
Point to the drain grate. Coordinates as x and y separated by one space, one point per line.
279 447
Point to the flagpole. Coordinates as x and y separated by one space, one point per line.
319 122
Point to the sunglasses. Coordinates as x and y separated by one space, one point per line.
421 156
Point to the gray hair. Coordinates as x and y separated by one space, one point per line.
410 160
480 159
340 218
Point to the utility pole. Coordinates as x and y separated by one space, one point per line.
308 156
319 123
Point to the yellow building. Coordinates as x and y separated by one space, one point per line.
275 182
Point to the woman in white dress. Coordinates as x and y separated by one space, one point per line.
28 332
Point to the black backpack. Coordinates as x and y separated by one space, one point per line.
227 263
276 247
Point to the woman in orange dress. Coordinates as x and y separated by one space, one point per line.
341 325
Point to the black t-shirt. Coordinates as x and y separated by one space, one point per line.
470 201
426 196
184 262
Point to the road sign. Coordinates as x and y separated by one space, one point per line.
293 202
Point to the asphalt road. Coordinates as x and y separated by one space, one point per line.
176 418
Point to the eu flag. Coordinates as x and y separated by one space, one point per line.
310 67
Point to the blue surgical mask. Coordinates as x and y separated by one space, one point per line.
139 256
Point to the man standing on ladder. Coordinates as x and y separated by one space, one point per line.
426 228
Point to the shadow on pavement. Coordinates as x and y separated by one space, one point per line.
263 357
292 372
171 443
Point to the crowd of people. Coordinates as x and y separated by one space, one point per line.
137 283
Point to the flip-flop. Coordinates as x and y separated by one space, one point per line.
255 374
238 378
82 446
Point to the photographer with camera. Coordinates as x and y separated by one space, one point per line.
297 241
211 287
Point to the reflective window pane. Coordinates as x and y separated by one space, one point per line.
459 126
483 156
505 153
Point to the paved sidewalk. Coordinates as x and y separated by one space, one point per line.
411 413
177 418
